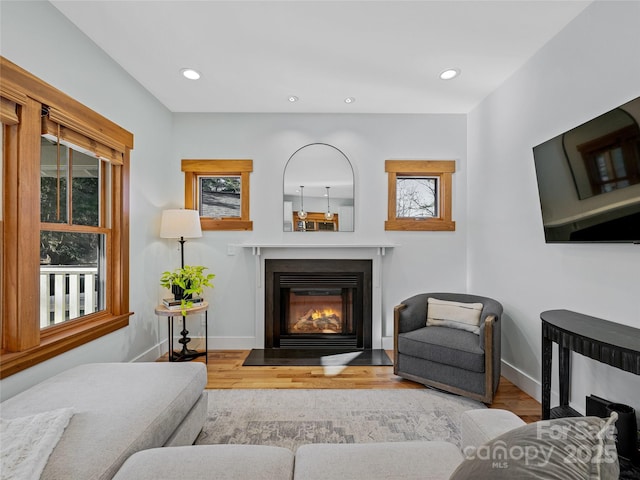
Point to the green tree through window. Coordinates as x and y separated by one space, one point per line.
71 272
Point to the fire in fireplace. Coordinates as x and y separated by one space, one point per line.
317 310
317 303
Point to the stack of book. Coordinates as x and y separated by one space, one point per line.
173 304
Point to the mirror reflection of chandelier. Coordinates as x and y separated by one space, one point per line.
329 214
301 213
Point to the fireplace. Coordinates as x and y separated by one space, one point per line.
318 303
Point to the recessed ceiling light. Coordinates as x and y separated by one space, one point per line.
190 73
293 98
349 100
450 74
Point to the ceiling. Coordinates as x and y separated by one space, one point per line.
254 55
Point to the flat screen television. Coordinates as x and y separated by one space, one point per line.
589 179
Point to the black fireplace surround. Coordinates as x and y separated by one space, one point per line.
289 283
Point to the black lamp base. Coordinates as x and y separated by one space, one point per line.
185 354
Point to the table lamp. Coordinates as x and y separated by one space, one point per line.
180 223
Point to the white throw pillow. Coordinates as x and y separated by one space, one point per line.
464 316
27 442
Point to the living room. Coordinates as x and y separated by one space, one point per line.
497 249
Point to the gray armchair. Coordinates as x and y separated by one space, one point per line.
454 360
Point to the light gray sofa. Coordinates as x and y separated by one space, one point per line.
118 409
122 412
366 461
496 445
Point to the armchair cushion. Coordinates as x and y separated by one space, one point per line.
464 316
444 345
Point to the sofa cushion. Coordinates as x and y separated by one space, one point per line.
444 313
187 432
119 409
377 461
444 345
560 449
220 462
481 425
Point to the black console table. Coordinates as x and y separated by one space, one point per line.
607 342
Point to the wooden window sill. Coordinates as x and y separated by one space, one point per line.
424 225
59 341
225 224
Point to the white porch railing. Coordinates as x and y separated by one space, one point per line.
60 303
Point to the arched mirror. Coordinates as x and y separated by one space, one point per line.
318 190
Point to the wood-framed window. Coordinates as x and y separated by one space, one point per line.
420 195
219 190
79 162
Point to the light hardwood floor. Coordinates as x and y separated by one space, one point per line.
225 370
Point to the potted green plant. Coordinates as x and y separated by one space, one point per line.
185 282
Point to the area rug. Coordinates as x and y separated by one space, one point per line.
311 357
290 418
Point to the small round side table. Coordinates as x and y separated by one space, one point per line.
185 354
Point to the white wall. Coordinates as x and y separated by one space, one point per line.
35 36
577 76
589 68
422 262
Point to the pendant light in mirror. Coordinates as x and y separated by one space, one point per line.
301 213
328 215
315 166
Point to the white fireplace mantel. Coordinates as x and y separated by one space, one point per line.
258 247
375 251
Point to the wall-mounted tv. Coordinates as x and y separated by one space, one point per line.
589 179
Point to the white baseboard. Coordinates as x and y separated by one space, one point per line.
215 343
523 381
153 353
533 387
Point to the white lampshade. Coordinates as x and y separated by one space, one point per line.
180 224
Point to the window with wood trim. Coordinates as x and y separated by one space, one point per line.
419 195
219 190
65 253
